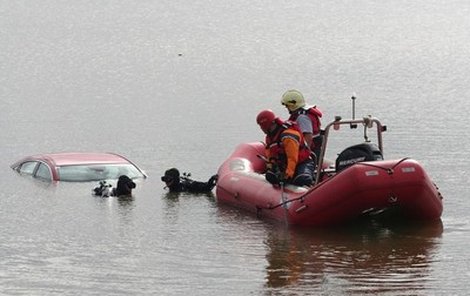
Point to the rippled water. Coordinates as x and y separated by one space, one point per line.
177 83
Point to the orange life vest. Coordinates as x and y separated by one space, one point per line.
276 150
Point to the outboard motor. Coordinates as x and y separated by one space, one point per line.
357 153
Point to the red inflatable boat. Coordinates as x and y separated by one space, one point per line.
359 184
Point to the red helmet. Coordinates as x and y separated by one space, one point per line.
265 118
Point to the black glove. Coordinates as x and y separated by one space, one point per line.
273 177
212 181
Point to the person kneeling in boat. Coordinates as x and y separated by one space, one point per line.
175 183
288 156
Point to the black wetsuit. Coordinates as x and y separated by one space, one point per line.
188 185
124 188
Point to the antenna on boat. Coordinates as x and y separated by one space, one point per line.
353 99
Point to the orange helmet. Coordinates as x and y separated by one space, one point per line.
265 119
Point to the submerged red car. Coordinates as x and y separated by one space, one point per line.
77 167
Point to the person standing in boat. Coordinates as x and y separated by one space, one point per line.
307 117
288 156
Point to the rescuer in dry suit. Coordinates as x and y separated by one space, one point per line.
123 188
176 183
288 156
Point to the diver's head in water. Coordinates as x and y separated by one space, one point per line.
171 178
124 186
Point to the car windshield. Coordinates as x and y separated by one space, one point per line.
84 173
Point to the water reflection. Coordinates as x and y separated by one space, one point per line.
172 198
174 201
122 201
121 207
25 181
361 259
125 201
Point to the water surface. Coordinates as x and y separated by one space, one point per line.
177 83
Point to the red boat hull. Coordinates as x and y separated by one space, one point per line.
362 189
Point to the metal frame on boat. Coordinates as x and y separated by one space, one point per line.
367 122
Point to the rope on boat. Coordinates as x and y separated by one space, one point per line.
389 171
302 197
284 203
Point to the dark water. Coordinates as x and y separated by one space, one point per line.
178 83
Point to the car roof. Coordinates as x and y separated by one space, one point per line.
78 158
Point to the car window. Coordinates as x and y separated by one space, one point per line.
84 173
27 167
43 172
